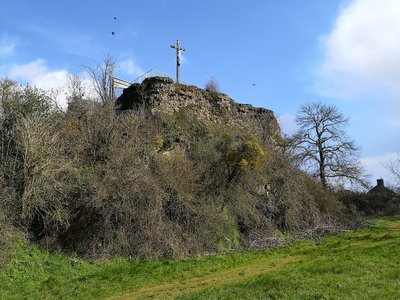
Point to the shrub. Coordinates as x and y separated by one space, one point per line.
212 85
370 203
97 183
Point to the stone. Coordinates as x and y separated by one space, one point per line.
161 95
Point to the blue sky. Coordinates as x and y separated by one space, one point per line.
343 52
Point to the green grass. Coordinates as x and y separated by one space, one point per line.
360 265
50 275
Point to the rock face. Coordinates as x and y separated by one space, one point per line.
163 96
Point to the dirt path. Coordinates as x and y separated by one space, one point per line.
176 288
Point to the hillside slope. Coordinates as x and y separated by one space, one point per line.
175 171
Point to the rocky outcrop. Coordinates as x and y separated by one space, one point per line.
163 96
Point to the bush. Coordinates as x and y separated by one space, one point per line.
370 204
212 85
97 183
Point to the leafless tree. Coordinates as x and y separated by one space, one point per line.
102 77
394 168
321 146
75 88
212 85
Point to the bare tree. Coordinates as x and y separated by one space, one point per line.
321 146
75 95
212 85
75 88
394 168
102 79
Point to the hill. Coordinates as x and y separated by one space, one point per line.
165 97
169 171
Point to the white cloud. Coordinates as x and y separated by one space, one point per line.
131 68
37 73
7 46
363 49
287 123
377 166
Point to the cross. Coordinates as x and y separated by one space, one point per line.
179 49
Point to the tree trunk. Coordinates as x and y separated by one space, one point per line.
321 163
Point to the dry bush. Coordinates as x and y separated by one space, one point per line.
19 105
326 200
10 208
289 203
132 206
370 204
50 179
97 183
8 218
212 85
17 102
178 180
96 132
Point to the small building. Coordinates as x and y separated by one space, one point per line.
381 189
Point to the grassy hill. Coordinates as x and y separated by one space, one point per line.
354 265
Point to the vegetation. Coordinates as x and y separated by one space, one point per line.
371 204
98 184
352 265
321 146
92 183
362 265
89 195
102 77
212 85
394 168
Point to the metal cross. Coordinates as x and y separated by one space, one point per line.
179 49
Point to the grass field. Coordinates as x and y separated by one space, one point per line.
355 265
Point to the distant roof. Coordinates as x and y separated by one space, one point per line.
381 189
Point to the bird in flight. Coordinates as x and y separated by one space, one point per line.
253 84
113 32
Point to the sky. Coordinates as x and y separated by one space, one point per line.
276 54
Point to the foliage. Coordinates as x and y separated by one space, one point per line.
371 204
96 183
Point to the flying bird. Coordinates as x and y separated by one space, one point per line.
253 84
113 33
115 18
